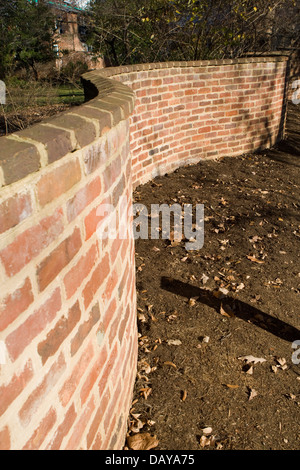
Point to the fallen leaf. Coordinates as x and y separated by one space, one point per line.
204 279
251 358
226 311
184 395
207 431
255 260
240 286
224 290
232 386
192 301
253 393
142 441
168 363
174 342
207 441
281 361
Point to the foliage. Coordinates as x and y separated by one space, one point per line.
132 31
26 34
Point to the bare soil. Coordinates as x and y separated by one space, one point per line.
201 312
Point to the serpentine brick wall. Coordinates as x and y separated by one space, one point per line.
68 331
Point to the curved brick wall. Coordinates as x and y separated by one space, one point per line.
67 300
187 111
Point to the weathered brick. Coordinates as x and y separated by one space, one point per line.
58 181
73 380
84 329
92 220
85 131
59 333
92 377
111 283
13 210
21 337
40 434
50 267
57 142
108 369
83 198
14 304
109 313
112 412
30 243
13 389
95 155
103 119
81 425
97 419
75 277
40 393
97 280
63 429
123 323
18 159
5 439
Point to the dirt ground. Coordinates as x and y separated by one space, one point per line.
216 325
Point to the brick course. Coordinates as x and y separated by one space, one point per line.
67 302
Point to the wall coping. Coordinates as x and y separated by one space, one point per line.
108 102
27 151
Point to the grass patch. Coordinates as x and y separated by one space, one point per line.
30 102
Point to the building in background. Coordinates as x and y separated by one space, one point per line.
70 27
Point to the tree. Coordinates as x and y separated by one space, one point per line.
27 31
132 31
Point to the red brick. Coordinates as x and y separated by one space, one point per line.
17 384
98 444
98 278
97 419
83 198
17 341
14 210
5 439
108 369
112 172
110 285
59 333
30 243
80 426
40 393
40 434
63 429
75 277
72 382
58 182
112 412
93 219
109 314
92 377
116 245
84 329
50 267
14 304
123 324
